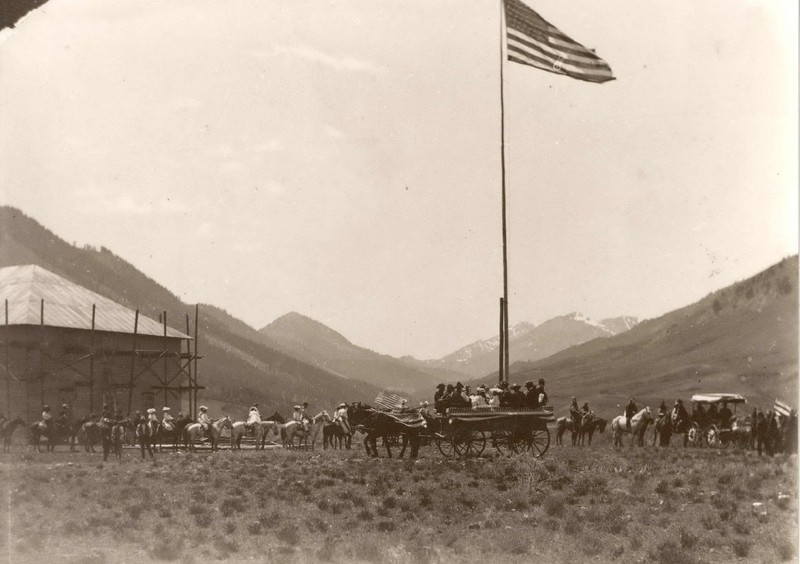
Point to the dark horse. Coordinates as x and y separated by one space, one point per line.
380 424
668 424
146 434
8 432
334 436
52 432
589 426
173 435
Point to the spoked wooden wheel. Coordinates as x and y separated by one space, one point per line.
444 445
520 442
469 443
694 435
539 441
503 442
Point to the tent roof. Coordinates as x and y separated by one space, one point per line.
67 304
719 398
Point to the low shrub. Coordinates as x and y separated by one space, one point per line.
741 547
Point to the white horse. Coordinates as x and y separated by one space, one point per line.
305 432
194 430
262 429
639 423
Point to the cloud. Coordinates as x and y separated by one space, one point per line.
313 55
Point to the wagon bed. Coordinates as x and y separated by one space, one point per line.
466 431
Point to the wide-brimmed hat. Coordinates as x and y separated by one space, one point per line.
515 386
341 405
541 381
529 384
151 410
165 408
440 386
424 403
203 408
459 385
298 407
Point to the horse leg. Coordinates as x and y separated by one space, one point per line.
403 444
415 441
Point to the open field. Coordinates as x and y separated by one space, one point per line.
575 504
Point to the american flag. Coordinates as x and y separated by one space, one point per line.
782 408
388 400
533 41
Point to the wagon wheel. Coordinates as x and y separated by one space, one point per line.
694 435
539 441
724 438
520 442
444 445
503 442
712 437
469 443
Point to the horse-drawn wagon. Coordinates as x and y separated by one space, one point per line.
466 431
715 431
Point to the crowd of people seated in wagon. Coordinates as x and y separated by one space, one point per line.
503 396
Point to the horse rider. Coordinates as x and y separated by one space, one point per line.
204 420
585 409
575 413
47 417
167 419
725 416
298 417
340 418
662 410
253 418
630 411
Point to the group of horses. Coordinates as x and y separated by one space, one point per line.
152 436
587 424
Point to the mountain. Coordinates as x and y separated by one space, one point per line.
238 367
321 346
740 339
532 342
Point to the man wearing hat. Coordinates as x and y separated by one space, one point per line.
166 419
630 411
340 418
517 397
204 420
423 409
47 417
437 397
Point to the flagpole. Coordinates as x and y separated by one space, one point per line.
504 339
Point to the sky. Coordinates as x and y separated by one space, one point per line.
341 158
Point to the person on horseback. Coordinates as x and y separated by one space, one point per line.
47 417
205 421
662 410
340 418
253 419
630 411
575 413
167 419
679 415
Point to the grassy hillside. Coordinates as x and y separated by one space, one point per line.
321 346
743 339
237 368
